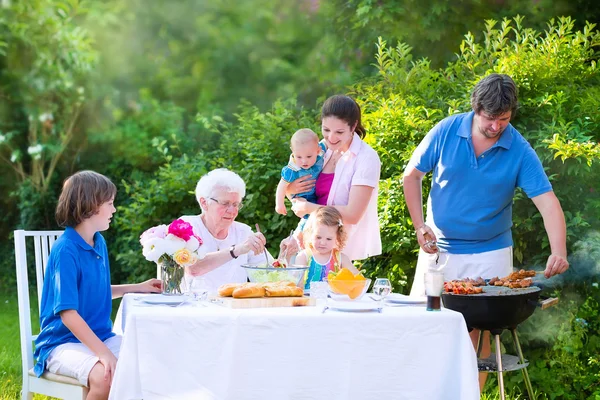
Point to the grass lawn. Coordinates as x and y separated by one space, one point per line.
10 351
10 348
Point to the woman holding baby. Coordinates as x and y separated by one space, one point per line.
349 179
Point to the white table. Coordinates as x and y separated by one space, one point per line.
218 353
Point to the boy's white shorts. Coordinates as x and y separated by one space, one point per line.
76 360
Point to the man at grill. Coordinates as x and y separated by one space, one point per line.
478 159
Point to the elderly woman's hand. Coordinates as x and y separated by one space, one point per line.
255 243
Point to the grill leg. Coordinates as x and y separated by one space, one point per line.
499 362
480 343
520 354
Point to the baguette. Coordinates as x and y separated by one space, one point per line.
227 289
279 284
248 290
283 291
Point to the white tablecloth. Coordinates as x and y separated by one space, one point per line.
293 353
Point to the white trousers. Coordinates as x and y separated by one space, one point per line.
459 266
76 360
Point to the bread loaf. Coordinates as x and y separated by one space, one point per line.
283 291
227 289
279 283
248 290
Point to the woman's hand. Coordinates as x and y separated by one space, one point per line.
427 239
150 286
300 207
255 243
300 185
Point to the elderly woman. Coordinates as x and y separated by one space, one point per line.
227 244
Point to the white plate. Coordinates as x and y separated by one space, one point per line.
163 299
398 298
356 305
341 297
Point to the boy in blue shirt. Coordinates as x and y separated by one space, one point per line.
76 337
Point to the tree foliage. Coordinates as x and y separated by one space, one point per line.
47 60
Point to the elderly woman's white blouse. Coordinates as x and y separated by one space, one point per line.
231 271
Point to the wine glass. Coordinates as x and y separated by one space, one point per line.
382 287
198 289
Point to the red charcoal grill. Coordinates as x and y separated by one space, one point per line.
496 309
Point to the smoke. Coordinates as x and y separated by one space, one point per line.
584 264
572 288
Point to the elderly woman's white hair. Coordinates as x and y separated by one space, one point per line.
220 179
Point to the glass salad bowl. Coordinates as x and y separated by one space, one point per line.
263 273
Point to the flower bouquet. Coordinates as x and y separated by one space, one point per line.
172 247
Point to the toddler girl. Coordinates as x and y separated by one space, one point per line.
323 236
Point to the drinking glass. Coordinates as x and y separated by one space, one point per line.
318 290
434 284
198 289
382 287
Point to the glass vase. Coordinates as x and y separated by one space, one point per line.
171 275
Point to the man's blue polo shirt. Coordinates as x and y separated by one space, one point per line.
470 202
77 278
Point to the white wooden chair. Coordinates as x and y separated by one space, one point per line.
48 384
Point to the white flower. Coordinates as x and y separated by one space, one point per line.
35 151
15 156
46 117
2 139
192 244
153 249
173 243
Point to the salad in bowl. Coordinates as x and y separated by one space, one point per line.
273 273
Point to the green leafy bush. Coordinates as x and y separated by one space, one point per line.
152 200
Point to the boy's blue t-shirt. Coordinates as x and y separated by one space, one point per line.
291 172
470 202
77 278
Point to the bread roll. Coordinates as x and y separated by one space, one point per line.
227 289
248 290
283 291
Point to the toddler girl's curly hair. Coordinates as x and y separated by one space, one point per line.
328 216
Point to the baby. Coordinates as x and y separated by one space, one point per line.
306 159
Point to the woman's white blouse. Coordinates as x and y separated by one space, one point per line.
360 166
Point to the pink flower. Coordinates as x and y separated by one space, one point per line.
159 232
181 229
